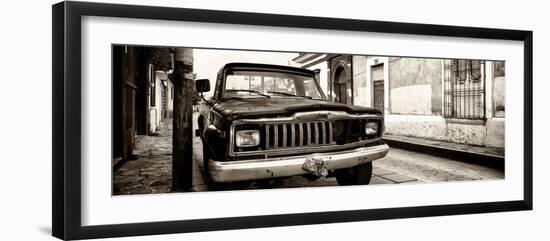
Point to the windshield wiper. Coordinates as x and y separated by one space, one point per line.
250 91
289 94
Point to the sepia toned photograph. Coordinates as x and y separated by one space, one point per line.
195 119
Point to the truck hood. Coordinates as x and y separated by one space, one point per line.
263 107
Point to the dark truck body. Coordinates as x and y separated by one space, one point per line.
297 135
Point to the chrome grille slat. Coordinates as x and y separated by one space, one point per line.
308 140
297 134
330 132
266 136
284 135
276 136
316 125
323 130
292 135
301 134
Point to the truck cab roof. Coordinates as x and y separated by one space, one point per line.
267 67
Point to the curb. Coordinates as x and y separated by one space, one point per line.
455 154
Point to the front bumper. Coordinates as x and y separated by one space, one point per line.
292 165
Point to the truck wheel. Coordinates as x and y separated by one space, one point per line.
212 185
358 175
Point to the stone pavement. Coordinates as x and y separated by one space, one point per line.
151 169
430 168
493 151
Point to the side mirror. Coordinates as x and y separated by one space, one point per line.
202 85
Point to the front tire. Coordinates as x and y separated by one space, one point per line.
210 183
358 175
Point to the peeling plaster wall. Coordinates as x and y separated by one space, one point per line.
361 93
415 99
436 128
416 107
424 126
472 134
495 132
415 79
498 96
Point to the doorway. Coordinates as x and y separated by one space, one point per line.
377 76
342 87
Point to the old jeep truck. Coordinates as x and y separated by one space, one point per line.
266 122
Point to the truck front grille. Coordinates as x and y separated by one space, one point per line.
293 135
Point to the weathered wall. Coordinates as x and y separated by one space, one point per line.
415 100
499 92
496 124
323 75
495 132
423 126
415 86
155 112
361 93
436 128
473 134
124 94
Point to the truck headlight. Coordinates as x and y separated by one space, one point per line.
371 128
247 138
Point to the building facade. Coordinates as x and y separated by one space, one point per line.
142 97
161 100
459 101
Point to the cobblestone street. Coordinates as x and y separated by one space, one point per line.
150 170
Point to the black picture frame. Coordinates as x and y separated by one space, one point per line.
66 48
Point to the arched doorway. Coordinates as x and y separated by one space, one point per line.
342 86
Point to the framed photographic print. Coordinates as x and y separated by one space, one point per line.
170 120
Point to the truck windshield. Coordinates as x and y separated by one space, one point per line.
257 84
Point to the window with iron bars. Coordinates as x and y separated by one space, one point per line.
464 89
